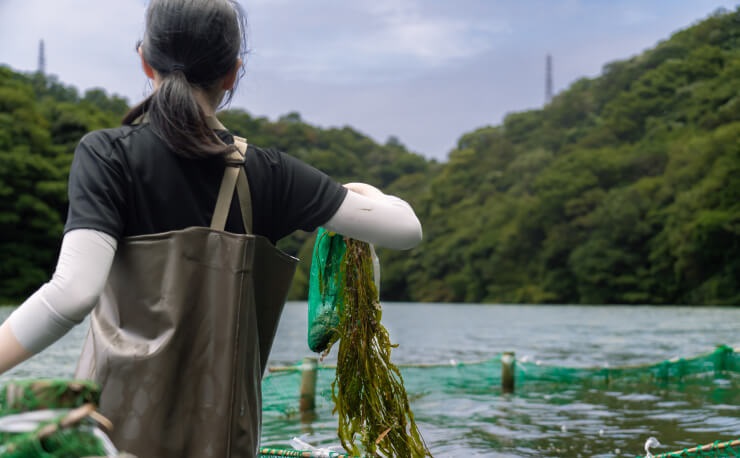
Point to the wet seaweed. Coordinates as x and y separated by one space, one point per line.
368 391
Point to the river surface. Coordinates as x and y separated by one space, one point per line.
463 416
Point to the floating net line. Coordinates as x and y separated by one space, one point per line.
715 449
281 386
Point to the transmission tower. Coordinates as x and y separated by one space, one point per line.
548 79
42 58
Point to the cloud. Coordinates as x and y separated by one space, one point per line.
635 16
410 31
369 41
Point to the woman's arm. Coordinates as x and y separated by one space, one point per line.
82 270
11 351
369 215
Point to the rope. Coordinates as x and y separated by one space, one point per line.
278 452
715 449
723 359
452 363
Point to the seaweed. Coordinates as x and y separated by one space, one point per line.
368 391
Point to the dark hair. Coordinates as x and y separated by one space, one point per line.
190 43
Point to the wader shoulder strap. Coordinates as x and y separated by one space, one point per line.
234 177
242 187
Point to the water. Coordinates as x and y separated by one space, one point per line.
540 419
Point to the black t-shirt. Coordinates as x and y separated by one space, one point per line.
125 182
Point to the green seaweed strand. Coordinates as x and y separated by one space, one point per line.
368 392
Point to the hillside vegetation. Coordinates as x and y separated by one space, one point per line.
624 189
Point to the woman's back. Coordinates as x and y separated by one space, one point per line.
126 182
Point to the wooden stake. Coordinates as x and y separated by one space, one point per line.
308 387
508 362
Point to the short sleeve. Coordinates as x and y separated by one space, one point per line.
96 187
310 197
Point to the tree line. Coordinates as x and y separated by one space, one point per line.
624 189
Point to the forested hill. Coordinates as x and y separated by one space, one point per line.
624 189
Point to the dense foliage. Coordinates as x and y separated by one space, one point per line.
41 121
624 189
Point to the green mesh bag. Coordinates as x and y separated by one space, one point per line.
324 289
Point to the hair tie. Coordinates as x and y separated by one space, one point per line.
177 67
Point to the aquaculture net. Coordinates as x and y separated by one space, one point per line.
281 387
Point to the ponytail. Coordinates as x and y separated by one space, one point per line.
177 118
191 44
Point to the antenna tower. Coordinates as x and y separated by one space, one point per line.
42 58
548 79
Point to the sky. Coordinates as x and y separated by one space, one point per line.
424 71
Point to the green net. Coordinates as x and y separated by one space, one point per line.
281 386
64 442
50 418
324 289
722 359
28 395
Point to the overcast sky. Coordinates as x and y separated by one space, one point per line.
426 71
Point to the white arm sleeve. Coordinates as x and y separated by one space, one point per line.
380 219
82 270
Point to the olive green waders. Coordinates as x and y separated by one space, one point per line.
180 338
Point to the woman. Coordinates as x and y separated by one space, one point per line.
182 331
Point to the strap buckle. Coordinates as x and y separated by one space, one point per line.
238 158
